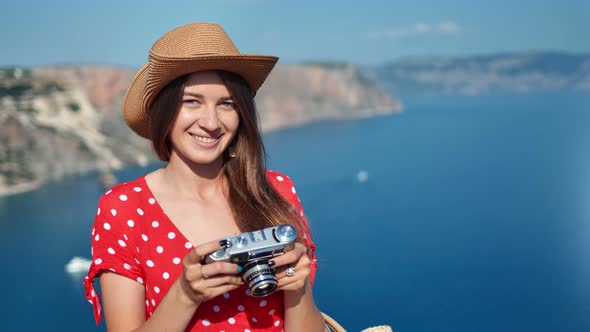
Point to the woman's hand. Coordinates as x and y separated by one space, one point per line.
293 268
202 282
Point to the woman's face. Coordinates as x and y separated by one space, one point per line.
207 120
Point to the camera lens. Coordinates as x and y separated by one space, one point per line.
260 278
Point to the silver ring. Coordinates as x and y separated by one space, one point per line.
203 273
290 271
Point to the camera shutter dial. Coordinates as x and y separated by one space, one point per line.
285 233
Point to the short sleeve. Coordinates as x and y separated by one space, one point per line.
285 187
113 245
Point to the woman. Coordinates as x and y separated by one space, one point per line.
194 101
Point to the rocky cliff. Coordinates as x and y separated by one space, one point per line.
485 74
65 120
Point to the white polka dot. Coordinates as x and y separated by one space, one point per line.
171 235
93 293
206 322
277 323
107 226
137 261
149 263
280 178
216 308
188 245
301 213
159 249
137 249
147 303
111 269
140 280
97 237
130 223
98 212
152 200
113 212
246 330
108 192
254 320
144 237
97 261
111 251
157 290
272 312
154 303
122 243
166 275
248 292
140 211
226 295
127 266
240 308
176 260
137 189
263 303
294 192
155 224
126 238
232 320
123 197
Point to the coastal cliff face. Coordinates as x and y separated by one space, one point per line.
486 74
299 94
64 120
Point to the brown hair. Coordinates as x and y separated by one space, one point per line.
254 201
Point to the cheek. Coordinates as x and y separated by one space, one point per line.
231 121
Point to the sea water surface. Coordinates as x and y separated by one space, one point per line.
461 214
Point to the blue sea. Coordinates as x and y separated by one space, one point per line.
460 214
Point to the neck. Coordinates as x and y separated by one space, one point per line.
197 181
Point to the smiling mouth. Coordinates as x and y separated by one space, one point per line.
206 140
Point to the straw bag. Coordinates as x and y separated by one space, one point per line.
334 326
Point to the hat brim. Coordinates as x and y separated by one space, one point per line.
160 71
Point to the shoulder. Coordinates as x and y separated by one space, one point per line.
124 194
279 180
283 185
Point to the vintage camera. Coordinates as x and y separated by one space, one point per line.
252 251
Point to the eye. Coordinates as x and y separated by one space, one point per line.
227 105
191 101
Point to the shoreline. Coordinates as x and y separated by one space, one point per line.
19 188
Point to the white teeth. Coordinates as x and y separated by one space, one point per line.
204 139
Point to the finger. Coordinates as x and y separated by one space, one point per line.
218 268
301 271
296 285
196 255
290 256
223 280
199 287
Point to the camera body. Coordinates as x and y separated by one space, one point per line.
252 251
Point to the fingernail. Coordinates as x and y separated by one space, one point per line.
223 242
271 263
240 269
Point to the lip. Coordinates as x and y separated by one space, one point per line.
212 144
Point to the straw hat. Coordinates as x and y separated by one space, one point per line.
186 49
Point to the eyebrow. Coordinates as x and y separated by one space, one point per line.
198 95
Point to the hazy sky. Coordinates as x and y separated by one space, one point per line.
363 32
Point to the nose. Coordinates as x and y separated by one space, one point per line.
208 119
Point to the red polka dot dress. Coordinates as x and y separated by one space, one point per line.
132 236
